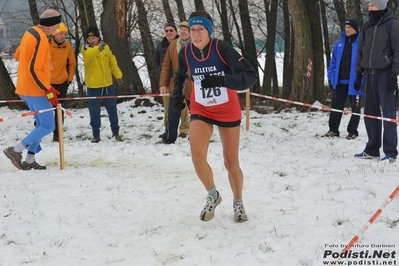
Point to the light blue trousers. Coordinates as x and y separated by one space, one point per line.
44 122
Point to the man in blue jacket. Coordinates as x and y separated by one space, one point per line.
378 63
341 77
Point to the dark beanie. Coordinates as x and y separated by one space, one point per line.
92 31
170 24
353 23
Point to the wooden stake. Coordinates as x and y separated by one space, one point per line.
60 135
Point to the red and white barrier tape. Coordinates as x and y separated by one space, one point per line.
323 107
96 97
68 113
326 108
371 220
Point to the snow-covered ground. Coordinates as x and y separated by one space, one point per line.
138 203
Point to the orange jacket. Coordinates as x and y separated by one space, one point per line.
33 54
63 62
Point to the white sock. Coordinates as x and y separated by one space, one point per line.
19 147
30 158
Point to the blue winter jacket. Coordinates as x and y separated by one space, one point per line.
333 70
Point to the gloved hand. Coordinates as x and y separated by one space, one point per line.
358 82
119 83
330 85
102 46
212 82
392 84
87 46
51 95
178 104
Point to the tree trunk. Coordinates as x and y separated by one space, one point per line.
113 27
249 51
341 13
167 11
353 10
149 50
7 88
235 22
222 10
270 62
301 86
199 5
87 16
34 13
180 10
318 89
325 32
288 67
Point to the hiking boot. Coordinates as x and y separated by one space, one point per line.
182 135
364 155
239 213
55 139
96 139
330 134
34 166
387 158
351 136
208 211
15 157
115 135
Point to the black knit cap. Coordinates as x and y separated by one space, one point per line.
92 31
170 24
353 23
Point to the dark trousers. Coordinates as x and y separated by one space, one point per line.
380 102
340 94
62 88
172 123
95 109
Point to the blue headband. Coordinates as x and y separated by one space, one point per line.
201 21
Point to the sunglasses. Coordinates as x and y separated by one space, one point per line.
169 30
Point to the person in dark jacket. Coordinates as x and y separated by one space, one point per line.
217 72
378 64
341 77
160 52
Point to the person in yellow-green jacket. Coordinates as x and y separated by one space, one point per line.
100 65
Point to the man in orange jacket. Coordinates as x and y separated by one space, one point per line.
33 86
64 65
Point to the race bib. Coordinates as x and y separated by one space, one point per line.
210 96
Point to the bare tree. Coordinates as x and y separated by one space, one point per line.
199 5
86 14
341 12
249 51
325 32
34 13
302 87
288 67
113 26
180 10
270 62
149 50
7 88
167 11
222 10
